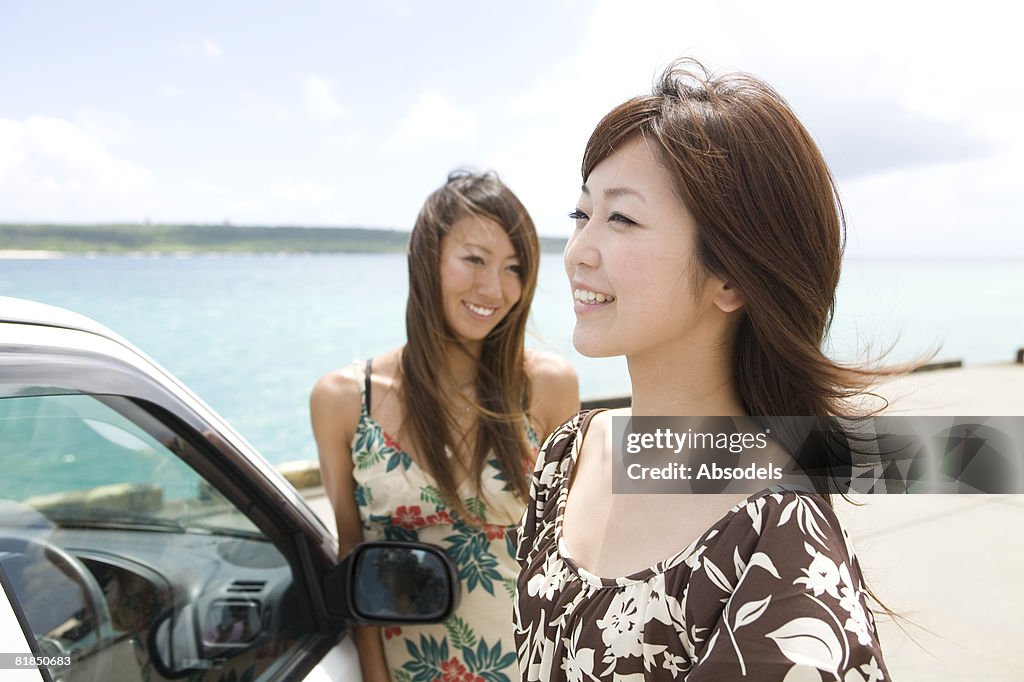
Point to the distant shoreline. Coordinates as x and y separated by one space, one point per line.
29 254
42 241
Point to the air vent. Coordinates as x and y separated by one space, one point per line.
247 586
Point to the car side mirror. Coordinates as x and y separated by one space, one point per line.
385 583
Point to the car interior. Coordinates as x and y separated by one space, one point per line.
121 554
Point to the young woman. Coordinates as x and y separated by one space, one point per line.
434 441
707 251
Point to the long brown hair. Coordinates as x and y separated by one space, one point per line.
502 387
769 223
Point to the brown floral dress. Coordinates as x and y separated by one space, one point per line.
772 591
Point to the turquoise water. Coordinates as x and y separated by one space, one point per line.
250 334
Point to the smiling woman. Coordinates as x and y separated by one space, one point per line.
707 251
636 263
480 277
469 407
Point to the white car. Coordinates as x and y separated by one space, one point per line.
141 538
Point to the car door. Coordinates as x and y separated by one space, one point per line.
139 536
13 666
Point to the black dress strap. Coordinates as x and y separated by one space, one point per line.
369 371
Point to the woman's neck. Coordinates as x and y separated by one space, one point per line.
462 367
691 381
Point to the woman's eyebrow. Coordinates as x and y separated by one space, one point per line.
624 192
612 192
511 256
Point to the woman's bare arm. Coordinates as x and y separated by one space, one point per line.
334 408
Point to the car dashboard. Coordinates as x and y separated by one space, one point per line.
176 601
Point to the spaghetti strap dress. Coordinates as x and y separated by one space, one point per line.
771 591
398 500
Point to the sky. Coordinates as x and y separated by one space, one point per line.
350 113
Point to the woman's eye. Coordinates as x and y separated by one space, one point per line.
517 269
475 260
619 218
578 215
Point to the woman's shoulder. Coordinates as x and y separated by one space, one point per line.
344 386
338 394
335 404
786 540
779 574
555 390
551 374
561 447
541 364
337 388
780 519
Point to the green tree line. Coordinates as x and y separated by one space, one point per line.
147 238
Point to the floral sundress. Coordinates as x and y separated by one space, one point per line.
772 591
398 500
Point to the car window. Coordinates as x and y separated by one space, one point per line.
79 460
121 554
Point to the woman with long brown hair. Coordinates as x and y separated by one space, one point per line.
433 441
707 251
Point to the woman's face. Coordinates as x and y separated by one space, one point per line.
480 276
631 260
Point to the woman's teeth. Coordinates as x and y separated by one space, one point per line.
480 310
584 296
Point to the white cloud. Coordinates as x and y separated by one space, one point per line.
52 169
901 119
433 118
111 128
914 106
302 193
318 95
399 9
211 49
256 106
207 47
958 210
208 189
171 92
286 204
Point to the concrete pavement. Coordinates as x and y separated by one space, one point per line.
951 565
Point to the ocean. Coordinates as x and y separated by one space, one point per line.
251 333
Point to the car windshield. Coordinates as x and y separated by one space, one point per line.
80 462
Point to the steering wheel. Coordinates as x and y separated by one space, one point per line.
31 570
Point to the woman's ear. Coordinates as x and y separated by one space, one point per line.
727 298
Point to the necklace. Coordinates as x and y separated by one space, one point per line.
461 420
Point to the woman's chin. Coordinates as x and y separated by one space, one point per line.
591 347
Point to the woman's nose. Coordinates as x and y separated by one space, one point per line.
581 250
488 283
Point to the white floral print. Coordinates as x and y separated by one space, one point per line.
544 585
771 591
822 575
675 664
850 602
620 627
578 663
